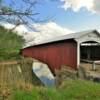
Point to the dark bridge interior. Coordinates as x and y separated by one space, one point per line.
90 51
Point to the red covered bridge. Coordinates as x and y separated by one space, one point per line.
67 50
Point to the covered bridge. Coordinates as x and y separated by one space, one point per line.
68 50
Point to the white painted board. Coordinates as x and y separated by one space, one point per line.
42 71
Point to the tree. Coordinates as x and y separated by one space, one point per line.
20 12
10 44
16 12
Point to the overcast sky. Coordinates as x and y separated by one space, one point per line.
67 16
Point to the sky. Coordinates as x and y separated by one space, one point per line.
76 15
65 16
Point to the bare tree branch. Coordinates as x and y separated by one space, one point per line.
17 13
20 15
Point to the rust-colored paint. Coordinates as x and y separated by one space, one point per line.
54 54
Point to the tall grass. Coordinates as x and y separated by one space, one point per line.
70 90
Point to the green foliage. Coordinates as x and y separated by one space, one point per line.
10 44
69 90
6 9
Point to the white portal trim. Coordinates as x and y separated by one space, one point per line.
87 37
78 55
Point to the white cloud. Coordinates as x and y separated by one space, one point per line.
49 30
96 6
44 31
76 5
20 29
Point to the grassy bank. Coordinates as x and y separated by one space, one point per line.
70 90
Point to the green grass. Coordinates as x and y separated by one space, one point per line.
70 90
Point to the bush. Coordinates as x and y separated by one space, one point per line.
10 44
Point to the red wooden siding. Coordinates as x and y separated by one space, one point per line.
54 54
